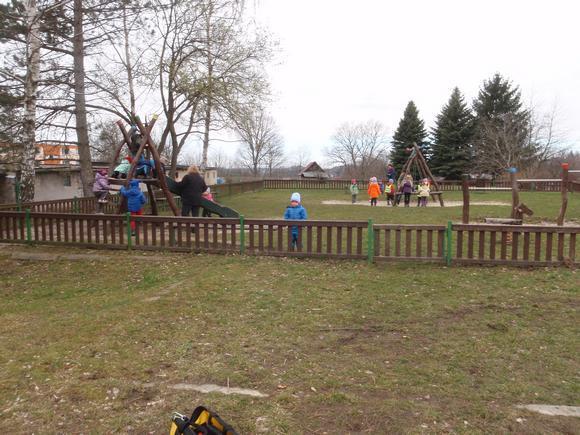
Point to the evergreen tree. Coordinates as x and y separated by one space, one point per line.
498 97
411 130
452 138
502 127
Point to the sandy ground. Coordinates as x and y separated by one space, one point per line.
414 203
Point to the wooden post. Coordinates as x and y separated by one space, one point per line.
370 242
564 189
152 200
515 192
128 229
465 188
28 227
242 235
449 243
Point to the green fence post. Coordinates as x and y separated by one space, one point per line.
242 236
370 242
75 204
28 226
128 220
449 243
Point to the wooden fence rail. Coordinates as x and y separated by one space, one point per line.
409 242
520 245
515 245
87 205
446 185
344 239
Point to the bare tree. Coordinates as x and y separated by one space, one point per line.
359 148
258 133
508 142
234 53
33 44
274 156
302 157
105 137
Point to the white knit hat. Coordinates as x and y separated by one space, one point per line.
295 197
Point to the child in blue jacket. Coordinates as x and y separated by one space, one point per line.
295 212
135 200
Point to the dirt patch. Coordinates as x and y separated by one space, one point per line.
211 388
430 204
557 410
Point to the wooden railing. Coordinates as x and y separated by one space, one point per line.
228 189
85 205
518 245
446 185
409 242
525 245
344 239
85 230
305 183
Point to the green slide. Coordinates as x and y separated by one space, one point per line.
212 207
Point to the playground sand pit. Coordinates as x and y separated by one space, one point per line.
414 203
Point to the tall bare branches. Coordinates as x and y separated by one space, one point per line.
359 148
261 142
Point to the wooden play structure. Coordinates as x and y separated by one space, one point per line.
140 144
417 160
143 153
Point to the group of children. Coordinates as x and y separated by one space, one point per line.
393 194
295 211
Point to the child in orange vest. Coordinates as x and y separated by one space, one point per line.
374 191
390 192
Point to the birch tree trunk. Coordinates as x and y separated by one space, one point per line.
33 43
208 106
80 100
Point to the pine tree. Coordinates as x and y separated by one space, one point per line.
502 124
498 97
411 130
452 138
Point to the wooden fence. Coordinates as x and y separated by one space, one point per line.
344 239
524 245
447 185
88 205
451 244
409 242
70 205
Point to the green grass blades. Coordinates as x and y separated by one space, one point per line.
338 347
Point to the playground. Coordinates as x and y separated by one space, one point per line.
116 343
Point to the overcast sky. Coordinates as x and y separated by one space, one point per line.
358 60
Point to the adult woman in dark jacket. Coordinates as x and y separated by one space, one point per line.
191 186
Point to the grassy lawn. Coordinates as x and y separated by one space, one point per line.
94 346
271 204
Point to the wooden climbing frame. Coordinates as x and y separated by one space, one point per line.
148 148
416 158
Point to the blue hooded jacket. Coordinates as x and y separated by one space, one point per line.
295 214
135 198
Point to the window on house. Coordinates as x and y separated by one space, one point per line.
67 180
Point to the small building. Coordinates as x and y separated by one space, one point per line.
210 175
56 154
314 171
